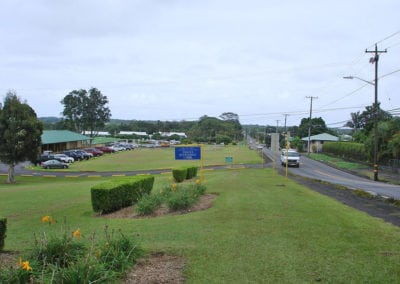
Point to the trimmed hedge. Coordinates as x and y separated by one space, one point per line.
116 194
348 150
3 229
179 174
191 172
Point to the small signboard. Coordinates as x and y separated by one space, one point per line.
229 160
188 153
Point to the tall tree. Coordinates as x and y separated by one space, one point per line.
20 133
229 116
86 110
317 126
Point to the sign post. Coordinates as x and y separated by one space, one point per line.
190 153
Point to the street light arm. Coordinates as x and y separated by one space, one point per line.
355 77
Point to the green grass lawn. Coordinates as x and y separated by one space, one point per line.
335 161
262 228
164 158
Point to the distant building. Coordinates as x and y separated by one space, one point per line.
97 133
138 133
316 141
169 134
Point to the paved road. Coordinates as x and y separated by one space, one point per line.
320 171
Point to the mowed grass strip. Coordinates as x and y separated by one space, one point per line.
338 162
262 228
164 158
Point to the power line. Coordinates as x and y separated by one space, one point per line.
386 38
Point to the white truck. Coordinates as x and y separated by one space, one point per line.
291 157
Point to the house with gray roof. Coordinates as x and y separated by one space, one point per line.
61 140
316 141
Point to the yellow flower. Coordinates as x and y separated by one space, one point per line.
25 265
47 219
97 253
77 234
173 186
198 181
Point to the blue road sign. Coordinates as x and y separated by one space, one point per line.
188 153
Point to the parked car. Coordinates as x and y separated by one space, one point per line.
95 152
54 164
85 154
46 157
74 154
117 148
64 158
105 149
127 146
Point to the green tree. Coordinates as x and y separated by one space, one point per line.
208 128
318 126
366 118
20 133
86 110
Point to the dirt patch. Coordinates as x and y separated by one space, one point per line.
8 259
205 202
157 268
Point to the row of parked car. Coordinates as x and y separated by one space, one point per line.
61 161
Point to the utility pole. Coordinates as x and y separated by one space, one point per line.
276 143
309 123
374 60
286 115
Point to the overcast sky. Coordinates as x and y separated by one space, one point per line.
182 59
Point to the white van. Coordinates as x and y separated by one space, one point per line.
291 156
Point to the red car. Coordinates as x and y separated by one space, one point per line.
95 152
105 149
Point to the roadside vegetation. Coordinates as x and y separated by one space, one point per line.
261 228
337 162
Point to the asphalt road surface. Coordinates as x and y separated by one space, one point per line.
316 170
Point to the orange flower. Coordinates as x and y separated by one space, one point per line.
46 219
77 234
24 265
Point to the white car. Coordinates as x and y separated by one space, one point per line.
64 158
291 157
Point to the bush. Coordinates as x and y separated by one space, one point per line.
148 204
179 174
3 229
68 258
113 195
181 199
56 250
